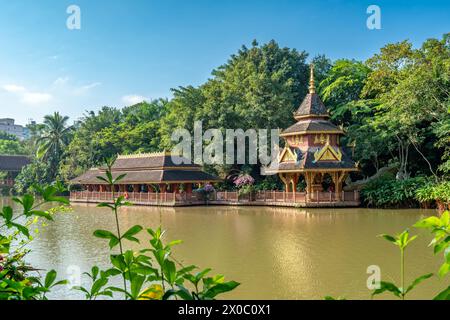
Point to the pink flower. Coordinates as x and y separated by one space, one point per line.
244 180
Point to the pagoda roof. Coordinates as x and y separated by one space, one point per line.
311 125
149 169
312 106
308 163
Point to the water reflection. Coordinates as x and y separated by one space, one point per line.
276 253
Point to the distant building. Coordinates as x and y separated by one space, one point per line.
11 165
8 125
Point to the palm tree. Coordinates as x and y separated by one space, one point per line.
53 139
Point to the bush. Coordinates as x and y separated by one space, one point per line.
386 192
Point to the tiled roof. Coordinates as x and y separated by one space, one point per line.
143 169
308 162
311 125
311 105
13 163
151 162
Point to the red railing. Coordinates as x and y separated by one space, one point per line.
286 197
220 197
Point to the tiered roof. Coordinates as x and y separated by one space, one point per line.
150 168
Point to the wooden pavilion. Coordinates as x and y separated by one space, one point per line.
313 151
12 165
149 173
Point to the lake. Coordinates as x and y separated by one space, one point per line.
276 253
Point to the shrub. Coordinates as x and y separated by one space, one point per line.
387 192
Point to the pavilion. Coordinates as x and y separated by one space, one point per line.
148 173
313 151
12 165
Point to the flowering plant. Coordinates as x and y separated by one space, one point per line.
209 188
244 180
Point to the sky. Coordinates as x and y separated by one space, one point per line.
134 50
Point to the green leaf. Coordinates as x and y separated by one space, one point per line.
7 213
183 293
105 205
136 285
50 278
27 203
417 281
388 238
428 223
387 286
131 232
118 261
43 214
23 229
220 288
98 285
444 295
170 271
104 234
444 269
119 178
441 245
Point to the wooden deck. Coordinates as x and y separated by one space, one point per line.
230 198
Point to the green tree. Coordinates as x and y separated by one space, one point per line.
53 140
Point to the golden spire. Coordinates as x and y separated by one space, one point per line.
312 85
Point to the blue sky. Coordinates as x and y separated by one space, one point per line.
135 49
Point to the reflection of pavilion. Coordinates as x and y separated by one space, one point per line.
313 152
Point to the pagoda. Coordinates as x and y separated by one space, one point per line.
313 150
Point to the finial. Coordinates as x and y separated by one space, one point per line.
312 85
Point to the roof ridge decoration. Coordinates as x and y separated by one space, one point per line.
144 155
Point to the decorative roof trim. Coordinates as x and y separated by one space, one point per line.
311 132
312 170
144 155
300 117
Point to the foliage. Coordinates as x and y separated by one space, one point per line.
152 273
36 173
402 241
17 279
12 147
53 140
440 228
389 192
435 191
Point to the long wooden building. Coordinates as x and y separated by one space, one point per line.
148 173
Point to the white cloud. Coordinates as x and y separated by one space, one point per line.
27 97
13 88
36 98
85 88
91 86
133 99
61 81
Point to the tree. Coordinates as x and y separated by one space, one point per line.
53 140
12 147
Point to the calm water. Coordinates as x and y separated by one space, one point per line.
276 253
